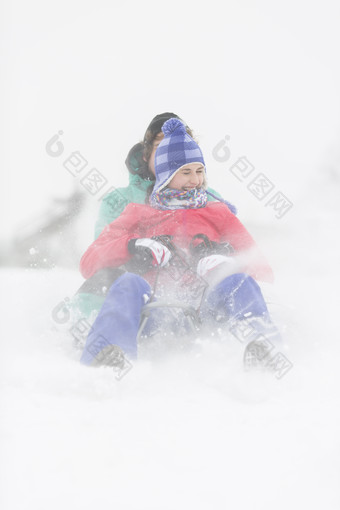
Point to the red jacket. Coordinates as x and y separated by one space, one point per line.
137 221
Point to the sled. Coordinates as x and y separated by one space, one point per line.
189 313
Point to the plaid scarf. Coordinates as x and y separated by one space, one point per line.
177 199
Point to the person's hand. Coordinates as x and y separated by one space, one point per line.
201 246
208 264
148 253
160 253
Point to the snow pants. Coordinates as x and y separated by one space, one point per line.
118 321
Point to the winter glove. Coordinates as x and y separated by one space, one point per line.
160 253
207 264
147 253
201 246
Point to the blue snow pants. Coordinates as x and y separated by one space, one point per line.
118 320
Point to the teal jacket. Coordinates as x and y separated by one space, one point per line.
114 203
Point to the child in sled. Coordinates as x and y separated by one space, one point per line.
140 164
179 225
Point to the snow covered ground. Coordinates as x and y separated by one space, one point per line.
184 431
189 430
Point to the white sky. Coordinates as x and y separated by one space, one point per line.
265 73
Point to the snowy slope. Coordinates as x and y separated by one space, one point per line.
185 431
189 430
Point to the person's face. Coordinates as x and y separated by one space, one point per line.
151 162
188 177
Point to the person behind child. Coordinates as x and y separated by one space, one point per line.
140 163
215 243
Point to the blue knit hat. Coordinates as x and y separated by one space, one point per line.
176 150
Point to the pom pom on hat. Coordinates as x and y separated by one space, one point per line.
172 125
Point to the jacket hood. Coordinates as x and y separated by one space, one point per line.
136 180
137 166
134 158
